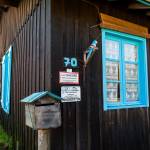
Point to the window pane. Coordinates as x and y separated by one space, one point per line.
130 52
131 72
112 49
113 92
112 70
131 92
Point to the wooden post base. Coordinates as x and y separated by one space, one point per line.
43 139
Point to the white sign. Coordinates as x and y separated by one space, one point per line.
71 93
69 77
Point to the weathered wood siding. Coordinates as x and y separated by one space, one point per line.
85 125
38 51
13 21
30 39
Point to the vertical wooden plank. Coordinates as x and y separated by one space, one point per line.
13 93
22 87
94 89
30 72
38 50
48 46
33 67
24 73
25 80
58 14
23 84
34 59
30 54
76 26
42 45
16 96
20 84
84 106
37 55
27 77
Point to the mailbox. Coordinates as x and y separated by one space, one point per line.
42 110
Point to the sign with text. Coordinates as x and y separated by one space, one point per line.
69 77
71 93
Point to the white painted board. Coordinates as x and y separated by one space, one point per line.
71 93
69 77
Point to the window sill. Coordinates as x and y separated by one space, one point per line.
125 107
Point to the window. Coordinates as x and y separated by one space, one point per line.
125 81
6 77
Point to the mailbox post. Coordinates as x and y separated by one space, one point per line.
42 112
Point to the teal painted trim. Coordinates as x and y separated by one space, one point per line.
9 77
144 2
142 81
132 42
130 62
114 33
104 69
113 81
38 95
110 59
146 75
34 97
132 81
123 80
126 107
3 79
54 96
6 80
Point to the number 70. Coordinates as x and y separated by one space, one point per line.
70 62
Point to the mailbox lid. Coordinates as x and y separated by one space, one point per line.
38 95
48 116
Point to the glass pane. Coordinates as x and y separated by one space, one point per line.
131 92
112 70
130 52
131 72
112 49
113 92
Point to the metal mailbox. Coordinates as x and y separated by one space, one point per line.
42 110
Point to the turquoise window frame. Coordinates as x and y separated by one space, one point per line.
140 42
6 80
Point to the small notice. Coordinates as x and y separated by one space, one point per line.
71 93
69 77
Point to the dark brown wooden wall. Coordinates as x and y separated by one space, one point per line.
31 69
85 125
13 20
38 51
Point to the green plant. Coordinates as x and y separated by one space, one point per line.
5 139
